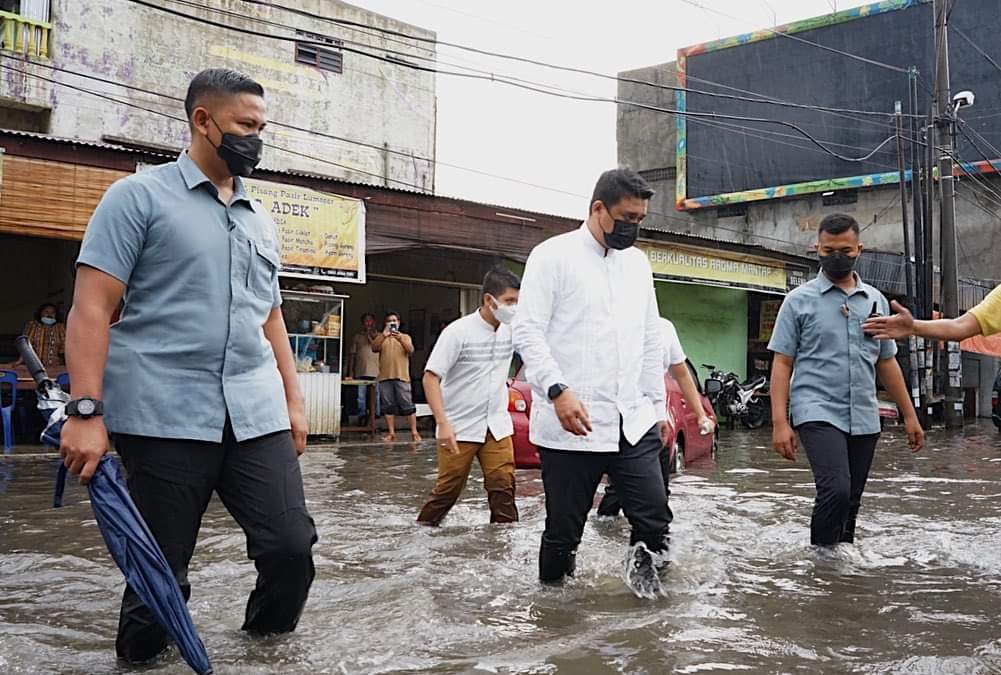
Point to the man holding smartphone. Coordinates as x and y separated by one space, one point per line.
395 393
589 332
820 347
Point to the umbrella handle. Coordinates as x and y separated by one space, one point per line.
30 358
57 498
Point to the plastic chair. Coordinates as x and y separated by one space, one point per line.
64 382
8 377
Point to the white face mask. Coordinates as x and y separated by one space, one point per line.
49 320
504 313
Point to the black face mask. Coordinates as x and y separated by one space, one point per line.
242 154
837 265
622 236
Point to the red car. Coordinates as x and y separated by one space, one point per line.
687 444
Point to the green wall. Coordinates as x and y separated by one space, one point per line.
711 323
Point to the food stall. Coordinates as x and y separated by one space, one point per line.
322 239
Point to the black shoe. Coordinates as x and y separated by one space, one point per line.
556 564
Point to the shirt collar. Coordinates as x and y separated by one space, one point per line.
195 177
483 322
826 284
591 243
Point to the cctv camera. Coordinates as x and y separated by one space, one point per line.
963 99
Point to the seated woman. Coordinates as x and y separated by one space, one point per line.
47 335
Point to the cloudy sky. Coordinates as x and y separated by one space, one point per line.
557 144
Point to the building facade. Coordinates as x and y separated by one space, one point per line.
344 100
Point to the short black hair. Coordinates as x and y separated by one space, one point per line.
367 315
498 280
391 313
216 82
616 184
838 223
43 307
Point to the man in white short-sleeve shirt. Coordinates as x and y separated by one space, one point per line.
465 382
674 363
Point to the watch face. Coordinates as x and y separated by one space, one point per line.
86 406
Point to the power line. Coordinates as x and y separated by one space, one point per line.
975 46
313 132
181 119
537 89
569 69
797 38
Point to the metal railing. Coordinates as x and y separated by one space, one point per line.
24 36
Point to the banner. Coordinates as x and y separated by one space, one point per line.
721 267
322 235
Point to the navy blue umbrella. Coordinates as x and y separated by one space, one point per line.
128 538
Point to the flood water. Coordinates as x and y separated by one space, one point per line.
919 593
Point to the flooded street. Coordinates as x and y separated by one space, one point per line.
919 594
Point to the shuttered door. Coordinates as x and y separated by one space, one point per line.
41 198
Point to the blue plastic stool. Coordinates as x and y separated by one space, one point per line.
8 377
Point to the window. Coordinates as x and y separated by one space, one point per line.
324 58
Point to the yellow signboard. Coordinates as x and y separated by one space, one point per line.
722 267
322 235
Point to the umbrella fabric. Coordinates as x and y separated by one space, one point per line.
139 557
128 538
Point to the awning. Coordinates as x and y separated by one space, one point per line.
376 244
991 346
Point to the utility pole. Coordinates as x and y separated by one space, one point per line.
912 362
921 305
946 123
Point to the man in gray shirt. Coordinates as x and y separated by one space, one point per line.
819 343
197 378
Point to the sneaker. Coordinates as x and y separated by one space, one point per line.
641 573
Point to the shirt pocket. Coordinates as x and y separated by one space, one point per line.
262 270
870 345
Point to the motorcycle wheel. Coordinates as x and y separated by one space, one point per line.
754 418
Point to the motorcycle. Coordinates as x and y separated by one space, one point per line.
735 400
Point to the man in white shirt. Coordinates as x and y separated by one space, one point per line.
674 363
589 332
465 382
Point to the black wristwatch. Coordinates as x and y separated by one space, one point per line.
85 408
555 391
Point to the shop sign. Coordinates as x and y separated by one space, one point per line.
721 267
322 235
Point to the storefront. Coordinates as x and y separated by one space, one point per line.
347 249
723 301
322 241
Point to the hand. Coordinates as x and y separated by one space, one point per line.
572 414
706 425
300 427
900 325
915 434
82 445
664 429
446 438
784 440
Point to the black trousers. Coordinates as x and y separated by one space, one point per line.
840 464
571 479
611 504
259 482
